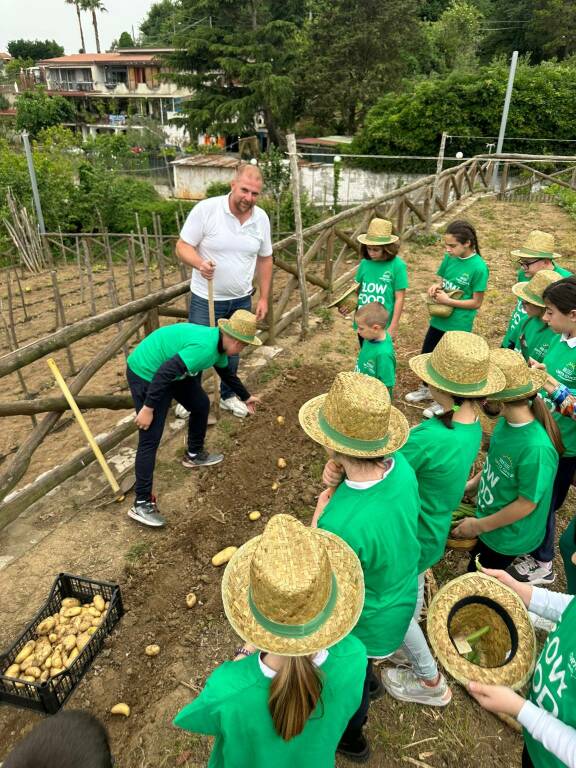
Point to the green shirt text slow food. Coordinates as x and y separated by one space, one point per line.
379 281
560 363
521 461
442 459
468 275
197 345
380 524
378 359
233 707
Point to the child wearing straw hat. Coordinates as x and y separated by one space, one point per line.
548 715
294 593
164 366
375 509
537 253
463 270
376 357
514 487
535 336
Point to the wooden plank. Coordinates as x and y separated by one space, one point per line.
60 404
415 208
293 270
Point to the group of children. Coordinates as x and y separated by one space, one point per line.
317 606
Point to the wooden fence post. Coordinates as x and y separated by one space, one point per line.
61 318
89 275
295 183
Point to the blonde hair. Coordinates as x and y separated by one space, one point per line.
294 694
373 313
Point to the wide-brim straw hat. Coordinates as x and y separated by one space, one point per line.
355 418
379 233
461 365
532 290
538 245
521 380
241 326
294 590
347 299
507 653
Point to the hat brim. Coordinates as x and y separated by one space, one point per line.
520 254
460 592
398 431
223 324
495 380
537 377
348 292
349 602
386 240
519 289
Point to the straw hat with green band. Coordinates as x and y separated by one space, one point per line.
348 299
521 380
478 606
355 418
241 326
538 245
379 233
293 590
461 365
532 290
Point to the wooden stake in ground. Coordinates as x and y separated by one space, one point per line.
61 319
212 316
295 184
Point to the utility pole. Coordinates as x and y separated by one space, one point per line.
504 119
33 183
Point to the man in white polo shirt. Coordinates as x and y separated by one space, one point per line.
227 239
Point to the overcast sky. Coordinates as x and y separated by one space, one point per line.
55 20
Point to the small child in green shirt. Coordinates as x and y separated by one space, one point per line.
376 357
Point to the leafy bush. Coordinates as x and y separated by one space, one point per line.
217 188
36 110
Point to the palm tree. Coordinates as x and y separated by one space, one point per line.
93 6
77 4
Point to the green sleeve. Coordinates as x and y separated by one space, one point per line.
202 714
442 268
535 474
414 450
480 279
401 279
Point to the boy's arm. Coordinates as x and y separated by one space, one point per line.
398 307
168 372
232 380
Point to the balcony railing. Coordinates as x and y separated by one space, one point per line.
72 85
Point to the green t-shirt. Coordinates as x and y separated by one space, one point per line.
560 363
535 339
468 275
380 524
197 345
553 685
519 316
379 281
377 358
521 461
233 707
442 459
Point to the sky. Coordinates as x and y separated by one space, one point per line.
55 20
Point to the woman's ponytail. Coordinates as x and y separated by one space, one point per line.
294 694
464 232
543 415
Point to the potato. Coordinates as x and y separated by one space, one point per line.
25 652
82 641
68 613
71 658
45 676
53 637
46 626
42 651
34 672
152 650
191 599
86 624
96 623
275 486
13 671
281 463
90 631
48 663
255 515
31 661
57 662
94 612
69 642
120 709
56 671
280 419
70 602
222 557
99 603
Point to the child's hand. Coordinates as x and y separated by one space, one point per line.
144 417
321 504
333 474
433 290
441 297
497 698
344 311
523 590
251 403
535 364
393 332
466 529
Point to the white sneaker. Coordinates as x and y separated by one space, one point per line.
434 409
180 412
403 685
235 406
419 395
528 570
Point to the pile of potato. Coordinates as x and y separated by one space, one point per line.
60 638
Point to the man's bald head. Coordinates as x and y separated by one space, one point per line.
246 187
247 170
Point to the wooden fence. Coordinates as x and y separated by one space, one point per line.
147 265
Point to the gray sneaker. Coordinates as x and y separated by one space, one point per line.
146 512
403 685
202 459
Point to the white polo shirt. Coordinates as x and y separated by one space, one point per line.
218 236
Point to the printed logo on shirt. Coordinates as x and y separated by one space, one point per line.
488 482
368 367
572 665
549 681
567 373
505 466
386 277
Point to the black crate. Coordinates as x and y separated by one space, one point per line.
49 697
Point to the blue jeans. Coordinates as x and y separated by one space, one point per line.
199 315
414 644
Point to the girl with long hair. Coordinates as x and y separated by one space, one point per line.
534 335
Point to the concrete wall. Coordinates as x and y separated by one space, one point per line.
190 182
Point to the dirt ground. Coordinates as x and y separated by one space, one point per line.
208 510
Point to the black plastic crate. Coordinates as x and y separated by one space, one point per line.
49 696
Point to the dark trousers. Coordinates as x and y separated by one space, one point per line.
562 482
354 727
189 393
433 336
489 558
526 761
199 315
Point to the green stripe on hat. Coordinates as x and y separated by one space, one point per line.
447 384
350 442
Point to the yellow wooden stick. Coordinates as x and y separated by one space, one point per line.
212 318
85 428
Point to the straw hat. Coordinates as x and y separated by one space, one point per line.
347 299
461 365
521 380
293 590
538 245
379 233
355 417
241 326
507 653
532 290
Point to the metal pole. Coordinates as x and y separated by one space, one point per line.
33 183
439 164
504 119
